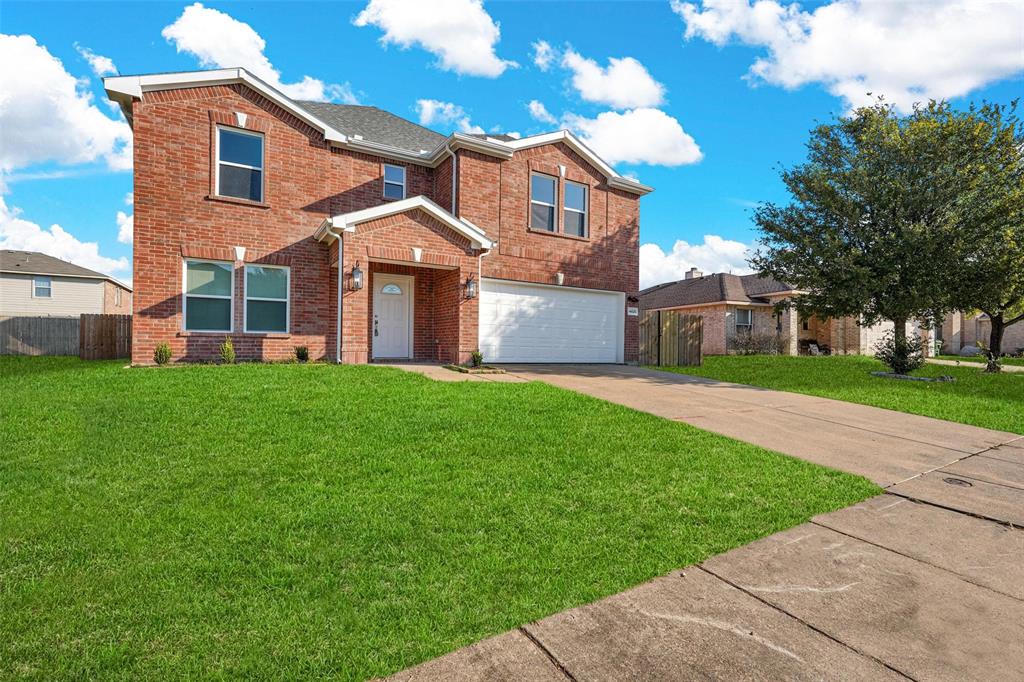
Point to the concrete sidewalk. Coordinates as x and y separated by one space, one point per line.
923 582
958 363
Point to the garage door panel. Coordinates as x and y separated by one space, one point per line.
534 323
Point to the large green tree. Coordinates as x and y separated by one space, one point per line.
987 273
866 231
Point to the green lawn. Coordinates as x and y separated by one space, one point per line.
311 521
992 401
1019 362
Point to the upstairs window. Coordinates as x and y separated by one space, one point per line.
542 203
42 287
394 182
744 320
266 298
239 164
575 209
208 287
117 296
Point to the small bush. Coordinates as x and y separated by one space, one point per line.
747 343
227 351
476 358
902 357
162 354
302 353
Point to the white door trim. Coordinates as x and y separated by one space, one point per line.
408 281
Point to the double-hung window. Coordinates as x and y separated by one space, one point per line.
42 287
117 296
543 189
239 164
575 209
394 181
266 298
744 320
208 287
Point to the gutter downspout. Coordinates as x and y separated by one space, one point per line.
341 290
455 168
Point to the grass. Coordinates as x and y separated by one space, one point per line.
994 401
1019 362
293 521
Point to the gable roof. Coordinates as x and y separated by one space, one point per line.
375 125
35 263
721 287
349 221
363 129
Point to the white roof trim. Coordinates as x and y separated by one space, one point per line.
123 89
349 221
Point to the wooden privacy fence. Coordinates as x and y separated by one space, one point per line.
105 337
38 336
669 338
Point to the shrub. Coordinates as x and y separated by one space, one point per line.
476 358
227 351
162 354
302 353
902 357
749 343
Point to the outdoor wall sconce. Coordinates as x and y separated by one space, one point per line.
470 287
357 277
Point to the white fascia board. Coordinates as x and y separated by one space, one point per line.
348 221
124 88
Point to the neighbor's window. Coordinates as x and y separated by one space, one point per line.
239 164
42 287
575 209
266 298
117 296
744 320
208 287
394 181
542 202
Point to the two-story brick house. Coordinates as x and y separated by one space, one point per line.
278 222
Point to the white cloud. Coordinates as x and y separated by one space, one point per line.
714 255
460 32
906 51
543 55
100 65
540 112
436 112
125 227
23 235
637 136
46 114
624 84
219 40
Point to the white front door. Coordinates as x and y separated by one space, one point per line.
392 316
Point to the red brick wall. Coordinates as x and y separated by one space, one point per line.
495 195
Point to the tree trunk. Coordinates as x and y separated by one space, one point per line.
995 343
899 331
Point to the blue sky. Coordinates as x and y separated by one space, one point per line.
741 90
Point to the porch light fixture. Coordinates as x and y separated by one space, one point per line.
357 277
470 287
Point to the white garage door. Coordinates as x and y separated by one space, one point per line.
538 323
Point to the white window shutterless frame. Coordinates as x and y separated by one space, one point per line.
42 287
394 181
575 200
267 299
208 301
240 155
543 210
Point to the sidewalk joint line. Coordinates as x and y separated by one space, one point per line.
547 652
976 515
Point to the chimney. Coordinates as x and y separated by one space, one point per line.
694 273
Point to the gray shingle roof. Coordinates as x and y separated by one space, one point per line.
35 263
716 288
375 125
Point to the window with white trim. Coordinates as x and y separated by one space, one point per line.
543 189
208 301
575 220
42 287
744 320
266 298
239 164
117 296
394 181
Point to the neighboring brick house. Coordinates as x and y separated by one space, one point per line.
731 304
249 205
36 285
960 330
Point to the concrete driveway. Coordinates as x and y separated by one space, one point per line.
924 582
